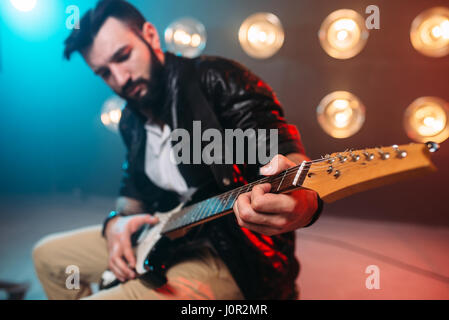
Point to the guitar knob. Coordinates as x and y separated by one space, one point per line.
329 170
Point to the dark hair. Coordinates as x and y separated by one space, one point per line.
93 19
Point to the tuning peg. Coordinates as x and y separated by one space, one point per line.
342 158
399 153
337 174
354 157
383 155
368 156
432 146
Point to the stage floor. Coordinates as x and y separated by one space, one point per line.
412 260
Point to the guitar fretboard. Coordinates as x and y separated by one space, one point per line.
219 205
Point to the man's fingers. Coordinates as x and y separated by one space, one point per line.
141 219
128 253
126 272
271 203
116 270
278 164
249 218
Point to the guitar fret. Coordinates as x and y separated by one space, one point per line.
227 200
283 177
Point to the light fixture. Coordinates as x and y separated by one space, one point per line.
426 119
261 35
186 37
341 114
343 34
111 112
24 5
430 32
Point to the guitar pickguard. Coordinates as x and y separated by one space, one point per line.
150 236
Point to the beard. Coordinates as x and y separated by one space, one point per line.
153 101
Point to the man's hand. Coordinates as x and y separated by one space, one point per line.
271 214
122 260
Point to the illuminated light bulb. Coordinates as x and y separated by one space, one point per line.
341 114
24 5
429 32
195 40
343 34
111 112
426 119
345 24
261 35
436 32
186 37
105 119
445 29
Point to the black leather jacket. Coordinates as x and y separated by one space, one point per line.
221 94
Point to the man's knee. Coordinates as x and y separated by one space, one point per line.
45 251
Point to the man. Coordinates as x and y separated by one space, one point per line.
246 255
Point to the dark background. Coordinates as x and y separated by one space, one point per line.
52 140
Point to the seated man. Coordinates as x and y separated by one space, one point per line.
249 254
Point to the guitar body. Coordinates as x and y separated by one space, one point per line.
154 252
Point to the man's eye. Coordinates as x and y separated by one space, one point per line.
123 57
105 74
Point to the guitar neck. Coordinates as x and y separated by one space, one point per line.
222 204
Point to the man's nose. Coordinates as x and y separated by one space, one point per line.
120 74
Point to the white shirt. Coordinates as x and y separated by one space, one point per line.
164 172
161 170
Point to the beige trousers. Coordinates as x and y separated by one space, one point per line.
199 274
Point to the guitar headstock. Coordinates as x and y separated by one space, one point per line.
341 174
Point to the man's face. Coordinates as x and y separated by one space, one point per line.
124 60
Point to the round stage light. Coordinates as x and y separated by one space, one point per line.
261 35
111 112
430 32
24 5
186 37
426 119
341 114
343 34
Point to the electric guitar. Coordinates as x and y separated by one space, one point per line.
333 177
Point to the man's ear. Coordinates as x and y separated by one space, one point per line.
150 34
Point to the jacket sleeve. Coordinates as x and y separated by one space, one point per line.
127 184
242 100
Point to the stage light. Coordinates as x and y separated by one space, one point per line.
111 112
341 114
261 35
430 32
186 37
24 5
426 119
343 34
